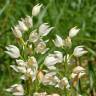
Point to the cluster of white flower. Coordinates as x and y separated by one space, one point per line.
16 89
28 68
47 72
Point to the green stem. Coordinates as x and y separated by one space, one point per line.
91 78
22 41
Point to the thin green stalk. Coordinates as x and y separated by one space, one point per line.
79 82
91 78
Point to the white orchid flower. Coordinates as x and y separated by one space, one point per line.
22 27
16 90
73 32
78 72
36 9
28 21
12 51
21 62
53 59
50 79
34 36
58 41
78 69
41 47
17 33
63 83
79 51
44 29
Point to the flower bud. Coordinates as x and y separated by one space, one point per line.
73 32
67 42
58 41
40 76
36 9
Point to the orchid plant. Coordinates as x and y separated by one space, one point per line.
41 65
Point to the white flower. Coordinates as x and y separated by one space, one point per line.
73 75
28 73
36 9
41 47
73 32
63 83
59 56
44 29
52 59
40 94
32 68
32 62
17 33
50 79
29 68
16 90
31 73
33 37
22 26
79 75
79 51
21 66
12 51
21 63
78 69
28 21
21 69
58 41
78 72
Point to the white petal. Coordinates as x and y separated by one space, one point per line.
73 32
44 29
17 33
14 68
58 41
36 9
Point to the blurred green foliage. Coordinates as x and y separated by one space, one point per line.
62 14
